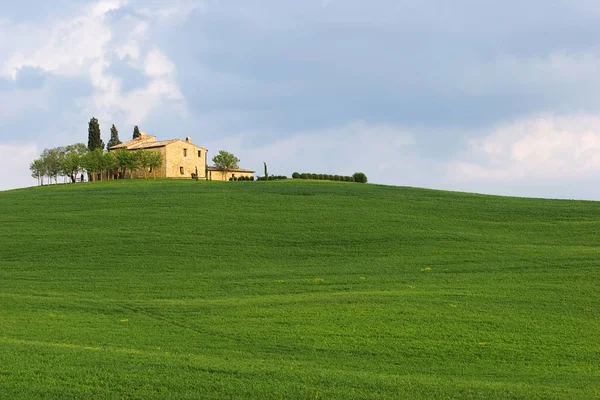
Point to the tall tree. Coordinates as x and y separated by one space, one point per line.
94 139
136 132
225 161
114 137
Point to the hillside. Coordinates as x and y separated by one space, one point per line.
183 289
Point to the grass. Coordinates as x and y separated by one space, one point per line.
183 289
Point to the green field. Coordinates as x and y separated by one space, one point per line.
183 289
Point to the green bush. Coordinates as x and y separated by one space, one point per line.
303 176
272 178
360 177
336 178
295 175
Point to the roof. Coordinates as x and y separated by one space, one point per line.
230 169
147 145
148 142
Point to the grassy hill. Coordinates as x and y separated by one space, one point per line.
183 289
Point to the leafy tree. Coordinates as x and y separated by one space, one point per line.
71 159
225 161
51 158
108 162
114 137
266 172
38 170
127 160
94 139
92 162
136 132
360 177
149 159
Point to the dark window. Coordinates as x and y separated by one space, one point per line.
185 152
150 169
181 170
199 153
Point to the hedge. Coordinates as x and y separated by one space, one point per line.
357 177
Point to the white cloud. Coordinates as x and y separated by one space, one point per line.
14 162
157 64
538 149
79 47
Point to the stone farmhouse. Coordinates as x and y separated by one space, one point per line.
180 159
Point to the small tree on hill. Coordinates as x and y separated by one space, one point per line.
94 139
149 159
136 132
92 162
114 137
225 161
71 160
360 177
126 160
154 160
107 163
38 170
51 160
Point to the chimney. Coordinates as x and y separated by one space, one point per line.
188 139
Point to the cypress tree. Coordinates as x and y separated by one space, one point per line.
94 139
114 137
136 132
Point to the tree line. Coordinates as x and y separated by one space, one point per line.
69 161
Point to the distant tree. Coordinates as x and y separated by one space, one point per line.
92 162
127 161
149 159
108 162
38 170
136 132
114 137
70 160
360 177
225 161
121 160
266 172
51 160
154 161
94 139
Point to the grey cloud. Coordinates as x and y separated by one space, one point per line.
304 66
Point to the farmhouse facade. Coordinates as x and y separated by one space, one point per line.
180 159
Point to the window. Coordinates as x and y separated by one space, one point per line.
199 153
150 170
185 152
181 170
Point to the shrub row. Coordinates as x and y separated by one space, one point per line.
241 178
357 177
272 178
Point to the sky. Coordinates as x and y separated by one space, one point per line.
488 97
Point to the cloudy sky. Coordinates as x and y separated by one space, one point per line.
490 97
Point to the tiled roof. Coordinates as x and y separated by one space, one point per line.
147 145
